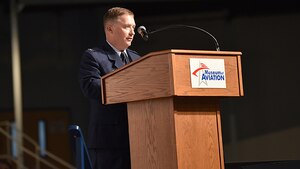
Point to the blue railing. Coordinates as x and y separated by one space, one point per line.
82 157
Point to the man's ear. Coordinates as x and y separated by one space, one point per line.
109 28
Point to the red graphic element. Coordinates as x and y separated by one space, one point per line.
203 66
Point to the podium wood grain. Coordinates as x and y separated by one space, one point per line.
175 133
167 73
171 124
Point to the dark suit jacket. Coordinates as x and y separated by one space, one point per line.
108 124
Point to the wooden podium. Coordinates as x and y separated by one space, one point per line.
171 124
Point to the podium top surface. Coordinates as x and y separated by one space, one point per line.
194 52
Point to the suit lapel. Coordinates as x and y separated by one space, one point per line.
113 56
133 56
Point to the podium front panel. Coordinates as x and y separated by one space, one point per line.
168 73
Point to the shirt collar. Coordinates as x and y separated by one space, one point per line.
116 50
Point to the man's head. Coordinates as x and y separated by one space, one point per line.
119 27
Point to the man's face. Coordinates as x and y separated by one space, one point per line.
122 32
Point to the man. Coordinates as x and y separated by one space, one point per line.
108 139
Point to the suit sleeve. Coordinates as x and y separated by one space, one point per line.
89 76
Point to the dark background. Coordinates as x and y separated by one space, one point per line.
262 125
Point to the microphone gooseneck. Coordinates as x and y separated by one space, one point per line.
185 26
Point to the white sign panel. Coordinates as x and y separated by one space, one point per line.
207 73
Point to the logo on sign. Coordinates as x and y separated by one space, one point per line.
207 73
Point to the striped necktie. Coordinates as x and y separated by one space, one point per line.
124 58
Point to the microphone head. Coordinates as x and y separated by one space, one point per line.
143 32
140 29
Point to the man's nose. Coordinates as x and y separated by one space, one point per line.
132 32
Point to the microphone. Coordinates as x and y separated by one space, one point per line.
143 32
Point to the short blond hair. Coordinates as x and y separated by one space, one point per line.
114 13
